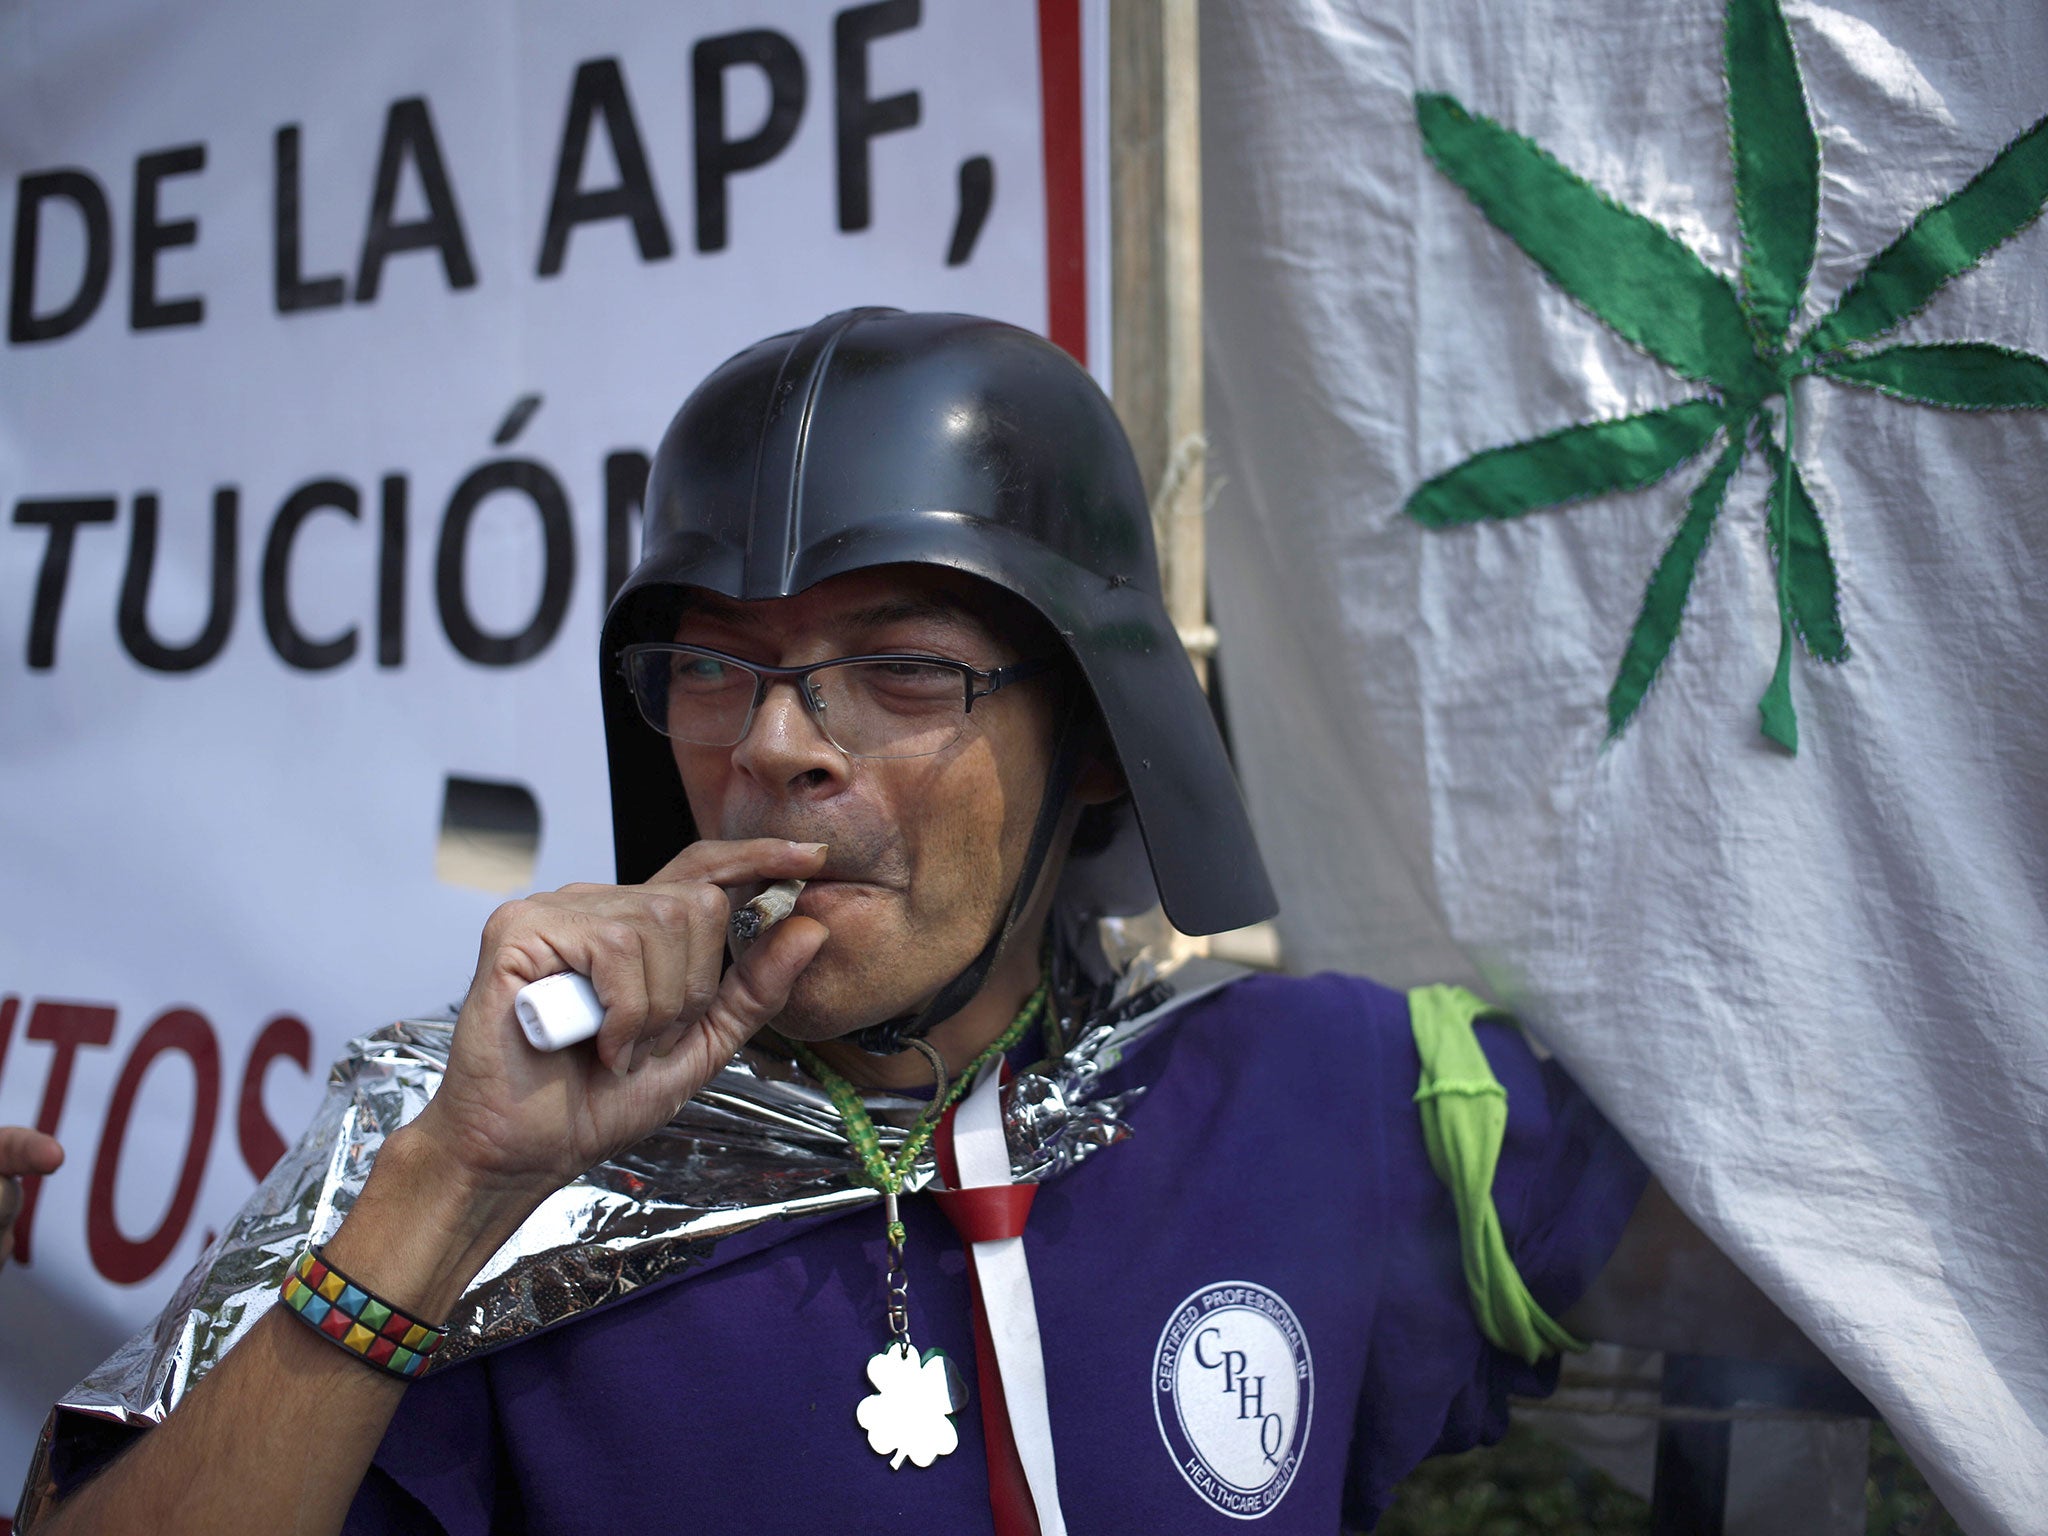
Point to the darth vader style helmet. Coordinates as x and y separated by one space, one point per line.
878 438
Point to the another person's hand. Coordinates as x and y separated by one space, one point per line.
22 1151
509 1117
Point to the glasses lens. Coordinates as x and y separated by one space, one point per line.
693 697
891 708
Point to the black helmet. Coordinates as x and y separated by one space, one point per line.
882 438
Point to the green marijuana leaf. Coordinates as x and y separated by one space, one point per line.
1645 284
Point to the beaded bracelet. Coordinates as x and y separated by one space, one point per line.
357 1319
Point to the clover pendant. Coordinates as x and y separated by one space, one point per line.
909 1414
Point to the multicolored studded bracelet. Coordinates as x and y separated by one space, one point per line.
357 1319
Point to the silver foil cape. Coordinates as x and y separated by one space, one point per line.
759 1143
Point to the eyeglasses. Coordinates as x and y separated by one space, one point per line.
867 706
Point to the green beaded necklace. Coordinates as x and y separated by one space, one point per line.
910 1412
882 1173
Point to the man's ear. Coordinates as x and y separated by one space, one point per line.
1099 780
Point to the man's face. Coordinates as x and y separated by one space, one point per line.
924 850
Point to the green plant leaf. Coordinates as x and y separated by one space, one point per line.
1944 240
1777 164
1664 599
1632 273
1813 601
1962 375
1582 461
1775 716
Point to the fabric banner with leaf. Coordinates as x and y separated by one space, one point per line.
1631 423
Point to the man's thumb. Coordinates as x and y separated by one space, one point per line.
755 990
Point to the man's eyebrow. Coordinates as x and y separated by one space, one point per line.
900 610
711 605
889 611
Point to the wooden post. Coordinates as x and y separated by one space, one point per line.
1155 183
1156 254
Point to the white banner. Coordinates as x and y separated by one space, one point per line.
337 340
1811 988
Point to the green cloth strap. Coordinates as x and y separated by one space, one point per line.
1464 1112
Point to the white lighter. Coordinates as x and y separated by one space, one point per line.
560 1010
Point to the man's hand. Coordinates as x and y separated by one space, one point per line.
22 1151
523 1122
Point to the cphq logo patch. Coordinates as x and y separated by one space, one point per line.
1233 1388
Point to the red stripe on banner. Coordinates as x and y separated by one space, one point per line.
9 1006
1066 244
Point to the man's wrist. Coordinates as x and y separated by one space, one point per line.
423 1226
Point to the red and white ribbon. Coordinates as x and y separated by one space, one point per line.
989 1211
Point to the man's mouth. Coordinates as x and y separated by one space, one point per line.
853 857
850 877
826 887
819 891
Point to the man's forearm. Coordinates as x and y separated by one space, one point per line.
278 1436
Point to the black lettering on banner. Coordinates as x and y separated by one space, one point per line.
625 491
409 135
133 620
861 119
147 312
717 157
977 194
32 194
600 94
292 645
533 481
516 421
292 288
391 573
63 517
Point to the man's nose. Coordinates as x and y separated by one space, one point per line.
786 746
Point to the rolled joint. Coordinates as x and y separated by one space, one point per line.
764 911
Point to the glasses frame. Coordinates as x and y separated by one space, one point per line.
975 683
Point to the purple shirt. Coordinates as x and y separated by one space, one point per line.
1252 1309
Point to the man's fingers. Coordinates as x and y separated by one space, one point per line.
757 989
755 858
683 952
751 995
656 970
618 970
652 952
25 1151
21 1151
